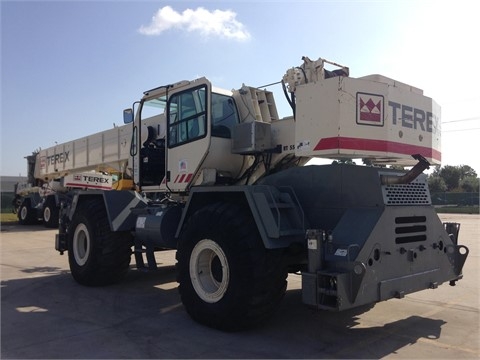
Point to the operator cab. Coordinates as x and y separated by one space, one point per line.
181 133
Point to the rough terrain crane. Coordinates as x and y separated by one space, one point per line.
98 162
221 179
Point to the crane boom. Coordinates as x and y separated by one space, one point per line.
104 151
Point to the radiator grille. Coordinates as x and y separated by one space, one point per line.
410 229
414 193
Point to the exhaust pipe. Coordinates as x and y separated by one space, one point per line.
422 165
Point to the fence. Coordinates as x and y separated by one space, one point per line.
6 202
455 199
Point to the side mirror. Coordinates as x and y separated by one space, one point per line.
127 116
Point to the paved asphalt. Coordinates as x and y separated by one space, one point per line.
46 314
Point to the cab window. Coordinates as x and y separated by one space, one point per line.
187 120
224 115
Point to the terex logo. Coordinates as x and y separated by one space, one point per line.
95 179
370 109
413 118
57 158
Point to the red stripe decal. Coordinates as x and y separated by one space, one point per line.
376 145
88 186
176 178
189 177
181 178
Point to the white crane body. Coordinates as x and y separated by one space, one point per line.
218 176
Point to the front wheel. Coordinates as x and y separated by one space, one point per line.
227 279
96 255
26 214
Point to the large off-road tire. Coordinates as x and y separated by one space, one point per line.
96 255
227 279
50 214
26 214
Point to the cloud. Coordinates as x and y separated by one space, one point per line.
208 23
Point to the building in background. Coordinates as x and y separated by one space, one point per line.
7 189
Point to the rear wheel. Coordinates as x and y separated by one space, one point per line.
50 214
228 280
96 255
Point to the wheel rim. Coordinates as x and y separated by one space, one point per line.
81 244
47 214
23 212
209 271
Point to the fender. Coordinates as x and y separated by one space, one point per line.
119 206
268 205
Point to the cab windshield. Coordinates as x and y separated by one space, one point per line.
154 107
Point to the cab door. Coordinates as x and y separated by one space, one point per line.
188 133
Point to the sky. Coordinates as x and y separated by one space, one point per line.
69 68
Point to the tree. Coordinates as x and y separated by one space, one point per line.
470 184
467 171
436 184
456 178
451 175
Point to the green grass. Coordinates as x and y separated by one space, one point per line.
458 210
7 218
